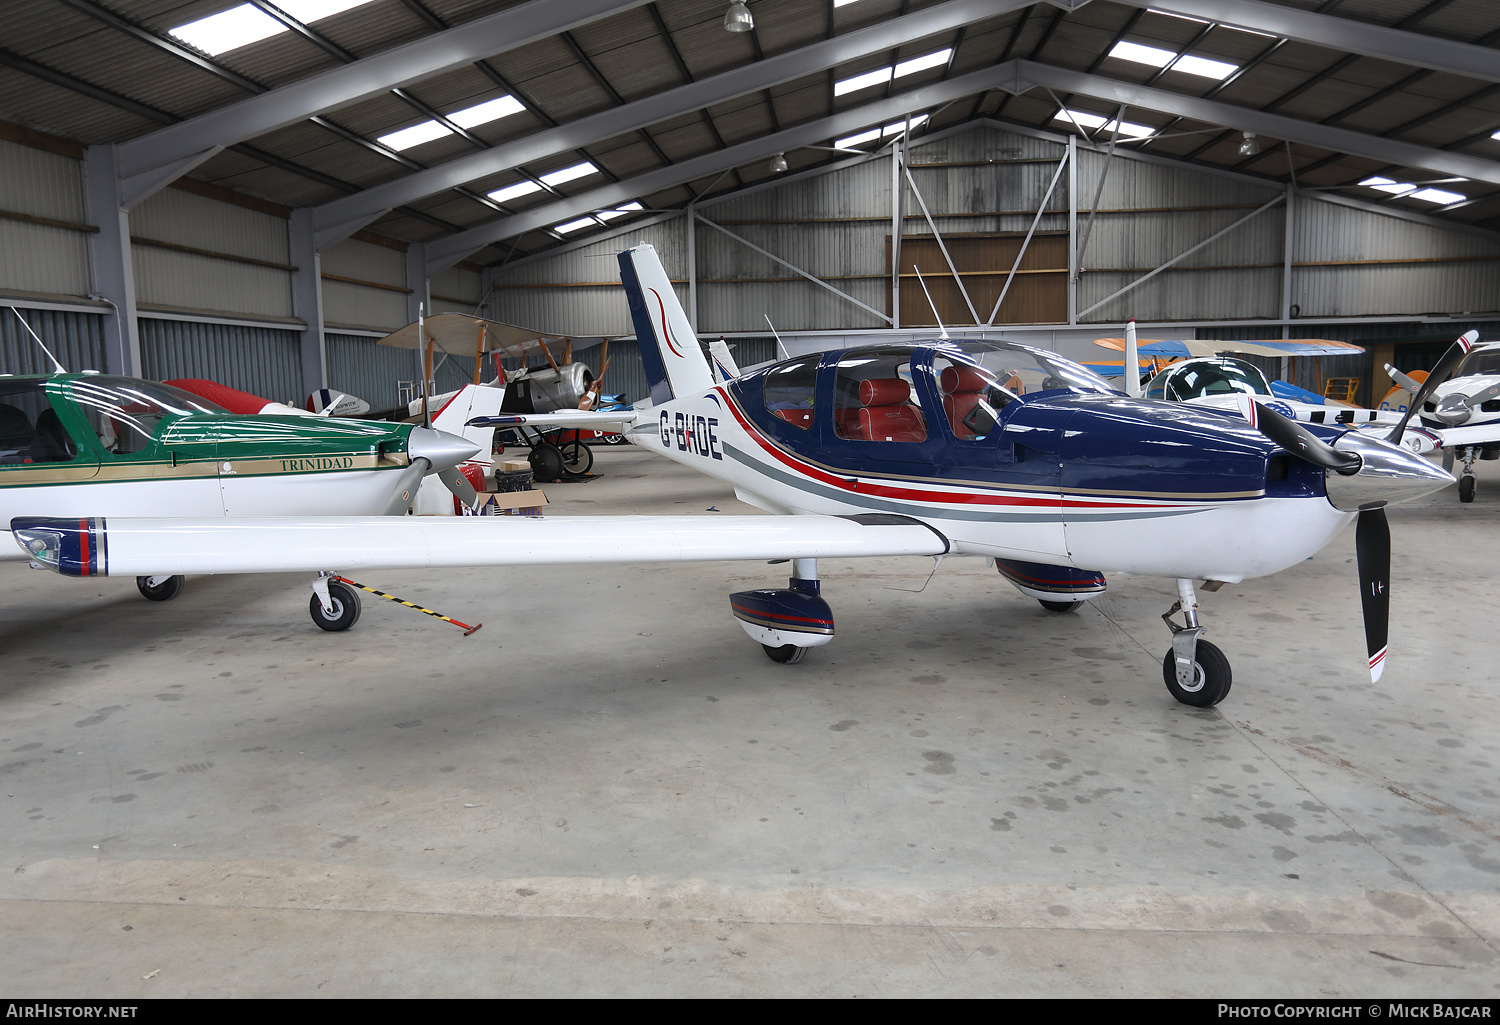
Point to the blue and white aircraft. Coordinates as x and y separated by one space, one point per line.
989 449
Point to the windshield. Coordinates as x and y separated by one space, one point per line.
125 412
1197 378
1024 371
1482 361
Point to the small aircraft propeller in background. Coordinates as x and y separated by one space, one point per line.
1445 366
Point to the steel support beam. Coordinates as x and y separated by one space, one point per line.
942 246
416 280
307 299
1187 252
796 270
690 229
111 270
360 209
401 65
1288 243
1040 211
1072 229
898 225
1343 34
1029 74
448 251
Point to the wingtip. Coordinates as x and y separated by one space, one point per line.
1377 665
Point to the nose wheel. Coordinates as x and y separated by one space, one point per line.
1196 672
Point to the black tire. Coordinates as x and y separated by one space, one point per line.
1466 488
787 654
164 591
546 462
577 458
1211 677
346 608
613 439
1060 606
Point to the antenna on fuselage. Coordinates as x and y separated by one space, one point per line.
942 331
1132 362
60 368
779 347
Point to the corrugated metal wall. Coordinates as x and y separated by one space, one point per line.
1329 233
594 310
76 339
1123 247
262 361
455 290
364 306
193 281
38 257
359 366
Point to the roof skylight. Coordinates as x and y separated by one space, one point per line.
516 191
1087 120
619 211
1406 190
469 117
568 174
246 24
578 225
894 128
881 76
1156 57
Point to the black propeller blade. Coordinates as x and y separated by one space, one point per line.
1445 366
1372 548
1296 439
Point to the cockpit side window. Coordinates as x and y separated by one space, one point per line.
789 389
30 430
972 397
873 398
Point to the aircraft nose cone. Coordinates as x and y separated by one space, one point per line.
1387 475
1454 410
440 448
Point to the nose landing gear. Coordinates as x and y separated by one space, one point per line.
1195 671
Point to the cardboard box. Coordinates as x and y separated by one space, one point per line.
511 503
514 465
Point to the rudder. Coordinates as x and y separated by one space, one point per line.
670 354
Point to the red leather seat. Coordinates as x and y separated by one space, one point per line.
886 413
962 389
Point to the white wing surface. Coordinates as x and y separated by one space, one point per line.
148 547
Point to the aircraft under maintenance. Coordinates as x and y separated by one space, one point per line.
990 449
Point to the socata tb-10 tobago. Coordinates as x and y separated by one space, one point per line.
989 449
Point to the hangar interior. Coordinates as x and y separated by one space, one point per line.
255 193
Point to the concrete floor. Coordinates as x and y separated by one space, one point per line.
609 790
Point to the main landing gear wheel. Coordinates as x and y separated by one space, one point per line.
1060 606
1211 677
346 607
613 439
577 458
546 462
1466 488
786 654
164 591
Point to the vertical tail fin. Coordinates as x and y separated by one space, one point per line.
670 355
725 368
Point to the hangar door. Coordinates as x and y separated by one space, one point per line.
1038 295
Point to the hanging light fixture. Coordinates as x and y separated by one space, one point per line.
1249 147
737 18
778 164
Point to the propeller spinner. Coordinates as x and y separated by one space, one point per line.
432 451
1365 475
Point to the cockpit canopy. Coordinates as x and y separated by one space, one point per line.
875 394
1208 376
1482 361
123 412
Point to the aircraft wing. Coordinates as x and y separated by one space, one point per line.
460 335
1454 437
139 547
1183 348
